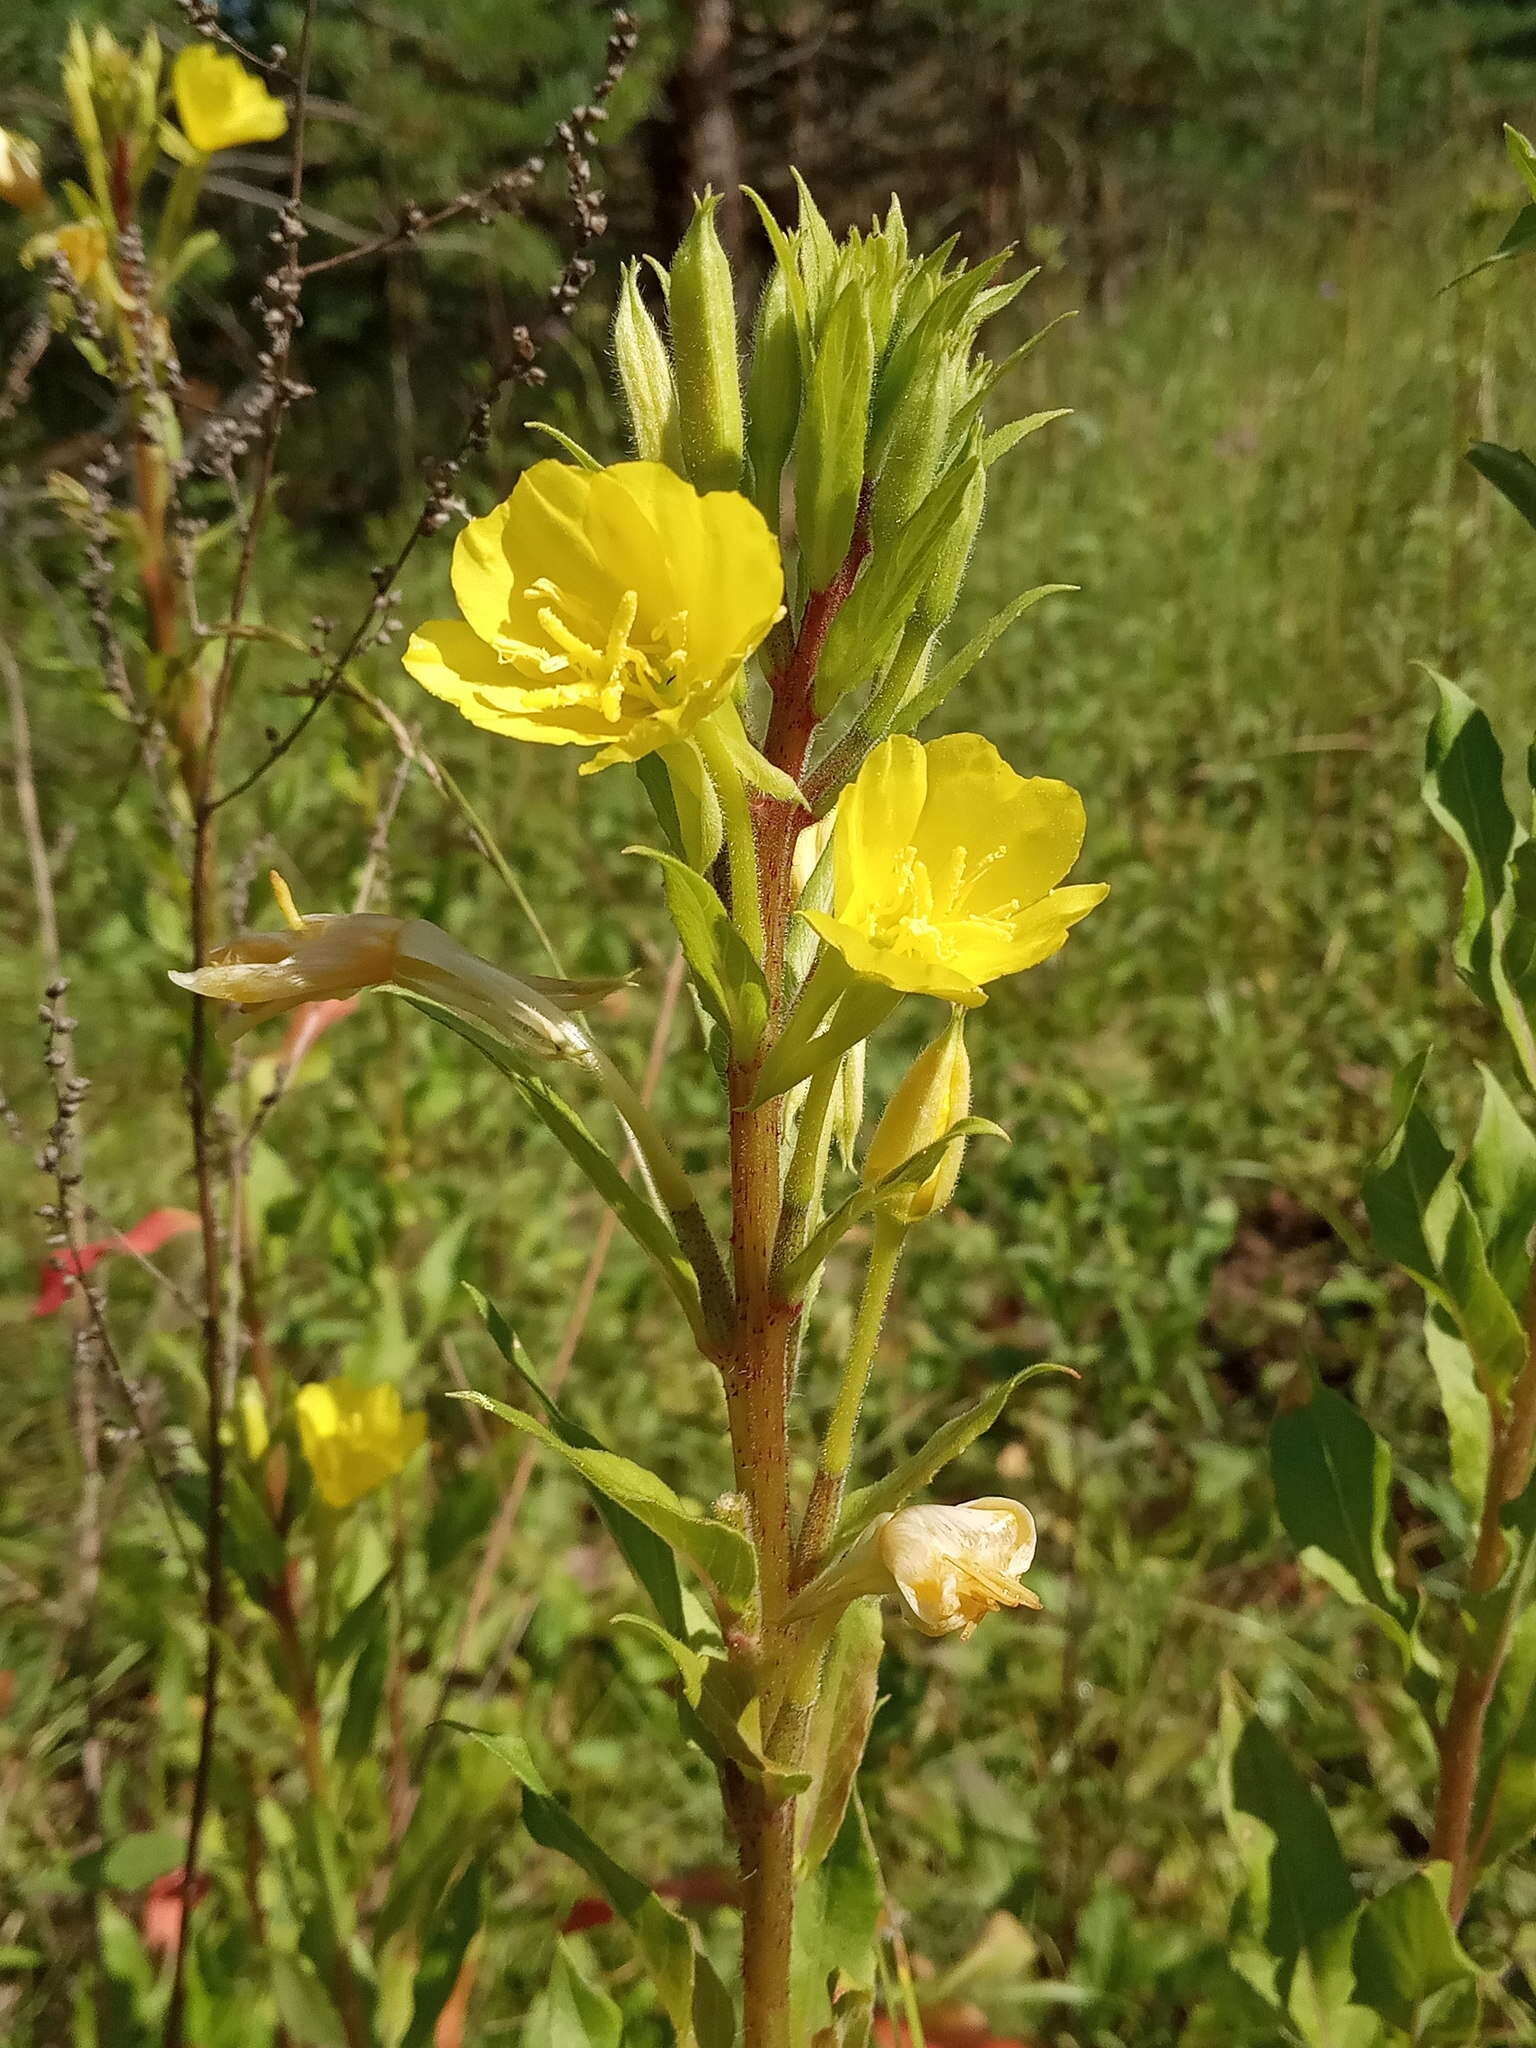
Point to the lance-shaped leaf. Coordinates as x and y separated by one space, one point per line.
1499 1178
946 1443
1510 470
837 1917
1311 1902
448 1935
728 979
1406 1952
1464 789
915 1168
645 1224
1423 1218
689 1990
839 1731
722 1555
571 2013
648 1556
1332 1474
719 1712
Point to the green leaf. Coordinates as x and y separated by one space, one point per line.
137 1860
448 1936
721 1554
1332 1474
1493 1332
1510 470
662 1937
1406 1949
1004 439
648 1557
959 665
839 1731
946 1443
1407 1188
365 1696
697 828
571 2013
1464 789
1466 1411
650 1230
720 1713
1499 1177
837 1917
727 977
1310 1895
1519 239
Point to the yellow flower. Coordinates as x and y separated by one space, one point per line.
931 1098
355 1437
82 244
604 608
264 974
950 1567
946 864
21 180
220 104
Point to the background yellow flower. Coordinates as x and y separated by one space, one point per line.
220 104
355 1437
946 864
602 608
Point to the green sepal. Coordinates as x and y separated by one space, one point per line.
573 448
862 1008
728 978
952 1438
721 1555
648 1555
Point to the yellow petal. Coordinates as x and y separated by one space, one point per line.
877 819
976 801
914 973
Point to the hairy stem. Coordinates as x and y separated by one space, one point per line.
1461 1741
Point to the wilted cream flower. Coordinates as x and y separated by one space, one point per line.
21 173
264 974
83 246
949 1567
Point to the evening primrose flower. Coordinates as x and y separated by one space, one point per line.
220 104
264 974
607 608
945 868
21 173
355 1437
948 1566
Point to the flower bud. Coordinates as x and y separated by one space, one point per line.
829 468
702 315
918 434
21 179
773 395
645 376
932 1098
938 599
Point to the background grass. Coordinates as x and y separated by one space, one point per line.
1259 496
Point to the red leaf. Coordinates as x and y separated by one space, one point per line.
62 1267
